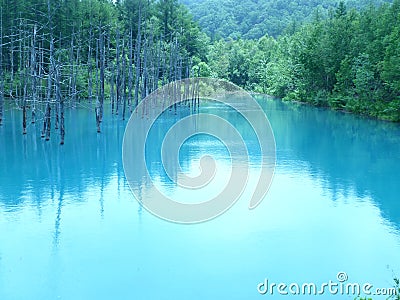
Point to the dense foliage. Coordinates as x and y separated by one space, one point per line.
348 61
250 19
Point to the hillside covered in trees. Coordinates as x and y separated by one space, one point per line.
252 19
349 60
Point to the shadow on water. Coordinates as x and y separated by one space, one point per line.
347 153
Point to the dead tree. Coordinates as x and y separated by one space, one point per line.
25 88
123 84
47 114
118 71
102 69
130 78
33 74
144 91
89 62
112 91
111 68
40 69
47 119
137 55
72 80
60 100
97 108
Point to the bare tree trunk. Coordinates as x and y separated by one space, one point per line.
144 75
25 92
57 115
171 72
123 85
130 79
89 61
18 88
97 109
41 69
57 110
137 55
74 74
47 121
77 67
149 63
112 91
163 72
12 65
60 101
157 66
118 69
71 70
33 74
102 67
24 119
187 75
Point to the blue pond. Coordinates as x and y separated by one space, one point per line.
70 227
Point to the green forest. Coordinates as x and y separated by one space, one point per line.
252 19
55 53
348 60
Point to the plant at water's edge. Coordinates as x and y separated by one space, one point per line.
395 296
397 287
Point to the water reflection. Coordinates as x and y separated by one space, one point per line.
31 165
68 219
344 152
347 153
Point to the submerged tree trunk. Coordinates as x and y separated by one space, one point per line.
48 121
24 119
60 101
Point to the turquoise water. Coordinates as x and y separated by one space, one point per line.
71 229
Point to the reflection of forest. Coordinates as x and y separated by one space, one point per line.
28 162
348 153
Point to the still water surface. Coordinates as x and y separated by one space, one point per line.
71 229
